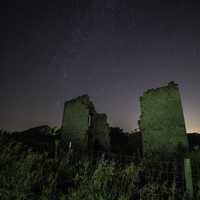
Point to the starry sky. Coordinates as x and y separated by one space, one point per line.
113 50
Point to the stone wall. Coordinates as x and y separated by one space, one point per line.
101 132
83 126
76 120
162 120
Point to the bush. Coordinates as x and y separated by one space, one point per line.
28 175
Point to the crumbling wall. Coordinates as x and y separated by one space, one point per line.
83 126
101 131
76 120
162 120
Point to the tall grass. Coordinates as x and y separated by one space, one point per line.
29 175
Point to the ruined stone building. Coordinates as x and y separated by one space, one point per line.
162 121
83 126
161 124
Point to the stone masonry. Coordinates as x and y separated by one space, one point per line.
83 126
162 121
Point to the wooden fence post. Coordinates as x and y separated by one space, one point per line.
188 177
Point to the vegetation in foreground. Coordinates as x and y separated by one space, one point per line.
30 175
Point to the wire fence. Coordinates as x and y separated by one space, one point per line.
157 180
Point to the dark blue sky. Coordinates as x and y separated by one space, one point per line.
112 50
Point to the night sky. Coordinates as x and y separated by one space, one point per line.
112 50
